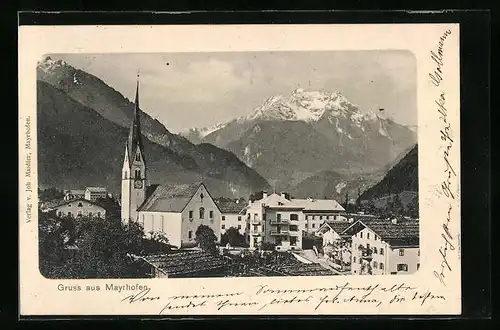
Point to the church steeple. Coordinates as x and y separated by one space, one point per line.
134 168
134 138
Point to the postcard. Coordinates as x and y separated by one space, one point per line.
180 170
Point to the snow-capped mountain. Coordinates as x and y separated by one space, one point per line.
290 138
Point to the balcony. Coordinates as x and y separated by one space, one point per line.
279 222
279 232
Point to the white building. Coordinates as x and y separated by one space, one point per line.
384 247
79 207
178 211
281 221
232 215
94 193
334 242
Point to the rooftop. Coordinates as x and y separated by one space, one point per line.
170 197
230 206
402 233
185 262
96 189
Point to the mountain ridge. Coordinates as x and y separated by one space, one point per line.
212 163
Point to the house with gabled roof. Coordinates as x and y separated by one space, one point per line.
177 210
384 246
232 214
75 208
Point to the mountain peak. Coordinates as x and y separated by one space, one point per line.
48 64
305 105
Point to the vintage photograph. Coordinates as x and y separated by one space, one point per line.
227 164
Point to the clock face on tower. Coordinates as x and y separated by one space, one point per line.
138 184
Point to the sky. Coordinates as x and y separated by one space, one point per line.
185 90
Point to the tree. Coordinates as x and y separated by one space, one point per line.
206 239
50 194
102 247
233 237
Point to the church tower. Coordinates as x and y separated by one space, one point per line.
134 169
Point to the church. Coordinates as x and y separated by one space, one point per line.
175 210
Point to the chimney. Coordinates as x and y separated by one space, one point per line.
264 194
249 202
283 195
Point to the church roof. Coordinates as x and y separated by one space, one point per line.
170 197
134 137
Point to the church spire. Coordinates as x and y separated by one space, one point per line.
135 139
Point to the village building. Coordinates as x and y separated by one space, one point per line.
232 215
94 193
178 211
383 247
73 194
281 221
335 243
317 211
76 208
182 264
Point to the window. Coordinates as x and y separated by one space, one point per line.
402 267
382 251
223 217
321 217
137 173
79 213
367 246
264 217
202 213
98 214
223 227
375 250
360 261
126 174
368 235
239 226
255 216
69 214
69 205
201 197
381 265
138 156
419 252
190 234
294 216
353 259
375 264
90 214
59 213
394 273
376 237
278 216
239 218
80 204
418 266
361 234
293 240
255 227
162 224
307 225
401 252
211 214
314 225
